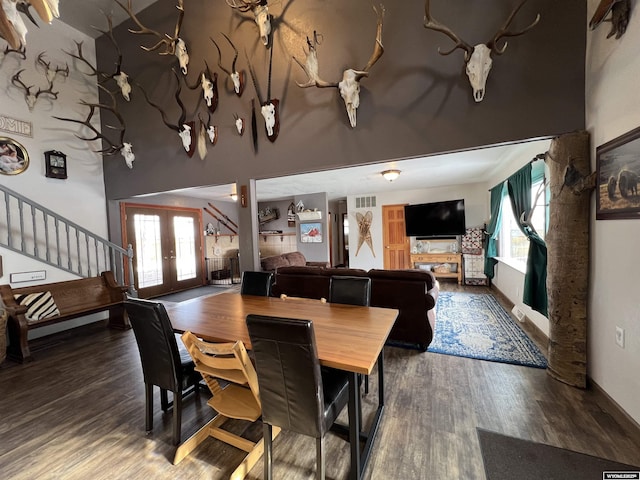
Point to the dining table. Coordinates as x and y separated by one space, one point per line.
348 337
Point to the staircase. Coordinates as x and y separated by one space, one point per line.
33 230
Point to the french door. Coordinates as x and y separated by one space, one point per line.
167 246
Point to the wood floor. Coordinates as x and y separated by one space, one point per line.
77 412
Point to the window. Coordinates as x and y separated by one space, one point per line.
513 245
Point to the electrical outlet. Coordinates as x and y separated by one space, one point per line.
620 337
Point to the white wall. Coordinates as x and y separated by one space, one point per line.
613 108
80 197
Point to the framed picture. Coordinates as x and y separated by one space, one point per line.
55 164
311 232
618 175
14 158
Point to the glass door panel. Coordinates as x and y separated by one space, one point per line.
149 252
186 259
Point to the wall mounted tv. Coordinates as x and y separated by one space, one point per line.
438 219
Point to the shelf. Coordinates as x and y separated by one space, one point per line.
281 235
306 216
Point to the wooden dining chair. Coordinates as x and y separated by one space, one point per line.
351 291
237 397
296 393
165 361
256 283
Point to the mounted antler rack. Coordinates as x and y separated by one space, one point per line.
269 106
52 72
122 147
30 97
237 78
21 52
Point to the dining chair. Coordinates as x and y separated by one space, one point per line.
351 290
231 377
256 283
165 361
297 394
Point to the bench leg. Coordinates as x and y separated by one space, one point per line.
118 319
18 342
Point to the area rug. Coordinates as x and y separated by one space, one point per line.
193 293
476 326
507 458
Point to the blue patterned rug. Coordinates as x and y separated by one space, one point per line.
476 326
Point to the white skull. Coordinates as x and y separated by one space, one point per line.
185 136
53 6
183 56
478 68
350 91
207 89
269 113
122 80
240 125
9 7
31 100
211 131
127 152
263 20
235 78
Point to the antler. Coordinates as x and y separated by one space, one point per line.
22 51
20 84
52 72
183 115
80 57
503 32
220 58
245 6
311 66
432 24
109 34
378 49
168 42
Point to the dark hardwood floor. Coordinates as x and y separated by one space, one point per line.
77 412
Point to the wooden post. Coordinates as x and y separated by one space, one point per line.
571 183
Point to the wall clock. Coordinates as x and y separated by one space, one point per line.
56 164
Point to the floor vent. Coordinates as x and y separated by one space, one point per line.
518 313
365 202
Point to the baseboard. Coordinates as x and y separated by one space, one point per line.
614 409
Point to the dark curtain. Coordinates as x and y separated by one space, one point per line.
535 280
493 229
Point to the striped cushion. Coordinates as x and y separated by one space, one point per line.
40 305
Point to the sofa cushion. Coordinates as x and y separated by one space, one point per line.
404 275
295 259
40 305
270 264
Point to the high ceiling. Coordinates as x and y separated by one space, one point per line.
82 15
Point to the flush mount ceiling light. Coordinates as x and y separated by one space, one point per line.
234 197
390 175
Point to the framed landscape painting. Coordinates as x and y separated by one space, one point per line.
618 175
311 232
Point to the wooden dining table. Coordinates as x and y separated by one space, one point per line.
348 337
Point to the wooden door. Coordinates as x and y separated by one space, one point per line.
395 243
167 246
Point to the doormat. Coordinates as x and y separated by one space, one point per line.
476 326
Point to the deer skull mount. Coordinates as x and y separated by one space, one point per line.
349 87
261 16
239 122
127 152
237 78
478 59
209 85
30 97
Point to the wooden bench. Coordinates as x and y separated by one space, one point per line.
74 298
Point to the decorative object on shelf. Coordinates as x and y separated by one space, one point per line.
173 45
237 78
311 232
390 175
123 148
619 9
291 215
299 206
309 215
29 96
14 158
269 106
55 164
349 87
618 174
364 231
478 59
268 214
442 268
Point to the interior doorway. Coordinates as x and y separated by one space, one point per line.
167 247
395 243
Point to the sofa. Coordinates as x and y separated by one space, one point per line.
413 292
291 259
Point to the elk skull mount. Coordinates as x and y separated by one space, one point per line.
349 87
261 15
478 59
173 45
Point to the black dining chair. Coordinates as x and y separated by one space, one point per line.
351 290
256 283
297 394
166 363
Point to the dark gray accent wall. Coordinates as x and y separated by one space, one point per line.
415 101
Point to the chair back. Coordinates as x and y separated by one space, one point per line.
289 373
256 283
350 290
156 343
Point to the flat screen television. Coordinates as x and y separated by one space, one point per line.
437 219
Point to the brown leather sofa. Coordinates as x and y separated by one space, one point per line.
290 259
413 292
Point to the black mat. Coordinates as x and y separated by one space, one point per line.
508 458
194 293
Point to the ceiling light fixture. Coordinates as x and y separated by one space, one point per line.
390 175
234 197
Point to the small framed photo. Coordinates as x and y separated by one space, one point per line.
55 164
14 158
311 232
618 176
